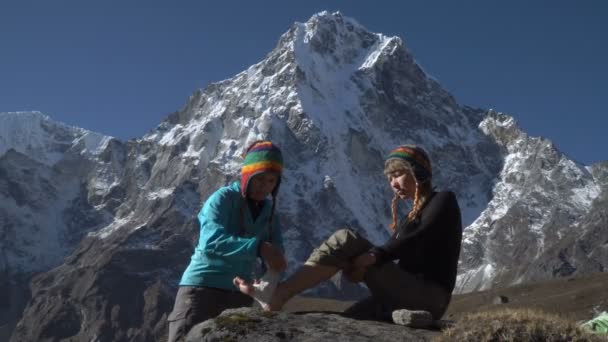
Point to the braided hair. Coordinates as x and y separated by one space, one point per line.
420 194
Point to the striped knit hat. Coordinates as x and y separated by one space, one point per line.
262 156
417 158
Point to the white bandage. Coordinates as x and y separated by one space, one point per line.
264 289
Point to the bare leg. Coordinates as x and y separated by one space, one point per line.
261 290
332 255
309 275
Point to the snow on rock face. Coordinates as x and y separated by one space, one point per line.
540 195
43 164
46 141
57 183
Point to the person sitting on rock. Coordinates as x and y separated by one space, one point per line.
238 224
426 242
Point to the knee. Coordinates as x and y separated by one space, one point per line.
342 235
345 231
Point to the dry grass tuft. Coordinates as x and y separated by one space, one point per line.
516 325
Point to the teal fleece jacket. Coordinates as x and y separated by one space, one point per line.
223 251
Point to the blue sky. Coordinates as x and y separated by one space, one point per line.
119 67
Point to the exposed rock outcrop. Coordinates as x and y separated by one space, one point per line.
246 324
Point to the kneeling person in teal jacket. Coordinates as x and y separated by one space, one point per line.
238 225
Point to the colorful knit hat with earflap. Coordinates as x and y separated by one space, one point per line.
261 156
417 158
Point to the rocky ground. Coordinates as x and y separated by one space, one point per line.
246 324
576 298
573 298
314 319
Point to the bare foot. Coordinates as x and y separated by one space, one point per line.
261 290
243 286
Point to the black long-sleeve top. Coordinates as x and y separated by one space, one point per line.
429 245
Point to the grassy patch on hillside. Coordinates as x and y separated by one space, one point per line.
516 325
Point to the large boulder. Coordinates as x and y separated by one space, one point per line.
250 324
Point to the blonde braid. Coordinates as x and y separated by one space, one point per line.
394 204
416 206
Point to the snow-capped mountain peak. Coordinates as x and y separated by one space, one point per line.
37 136
539 196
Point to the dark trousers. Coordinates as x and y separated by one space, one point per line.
194 305
391 287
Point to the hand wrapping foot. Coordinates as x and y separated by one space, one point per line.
261 290
264 288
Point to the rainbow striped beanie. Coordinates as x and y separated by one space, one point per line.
417 158
262 156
